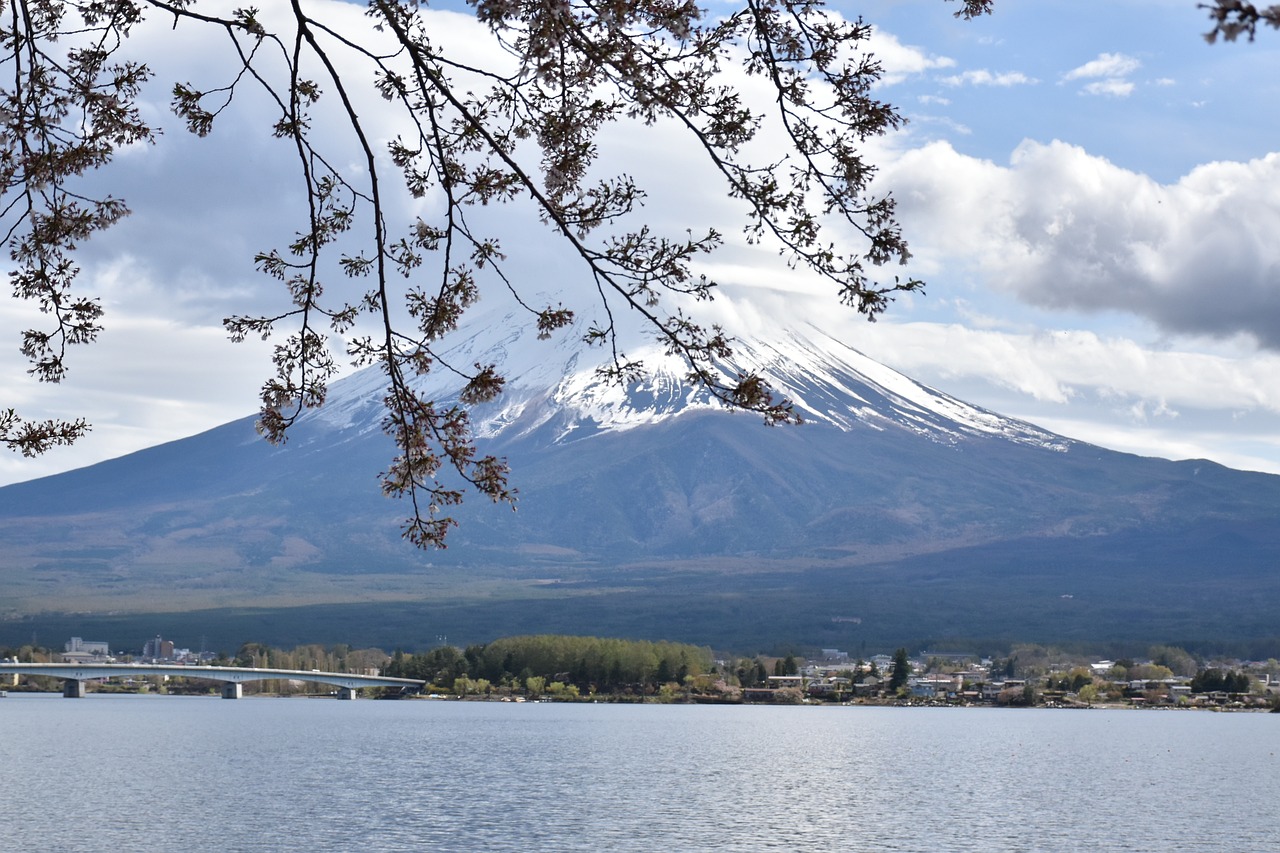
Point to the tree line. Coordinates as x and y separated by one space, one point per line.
1220 681
594 664
336 658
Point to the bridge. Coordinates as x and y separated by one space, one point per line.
232 677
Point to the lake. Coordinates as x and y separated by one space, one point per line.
188 774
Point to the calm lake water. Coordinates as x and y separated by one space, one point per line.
168 773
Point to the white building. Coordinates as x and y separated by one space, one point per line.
77 650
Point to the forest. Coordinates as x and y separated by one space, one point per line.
534 663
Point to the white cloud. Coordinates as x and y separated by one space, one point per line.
945 122
1110 391
1063 365
900 61
146 380
1111 88
1066 230
983 77
1222 446
1106 65
1107 74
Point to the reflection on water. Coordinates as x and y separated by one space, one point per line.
124 773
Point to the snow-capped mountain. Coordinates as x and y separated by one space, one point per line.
827 381
650 510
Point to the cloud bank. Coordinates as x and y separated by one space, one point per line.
1065 230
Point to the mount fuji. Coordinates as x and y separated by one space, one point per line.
894 513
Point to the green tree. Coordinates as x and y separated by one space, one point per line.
1213 680
1077 679
663 673
1179 661
761 673
391 280
563 692
900 672
603 662
254 655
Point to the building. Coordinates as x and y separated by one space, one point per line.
77 650
936 685
158 649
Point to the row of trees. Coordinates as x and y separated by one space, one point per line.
1220 681
1118 683
338 658
1030 660
588 663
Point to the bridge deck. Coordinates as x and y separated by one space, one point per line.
232 674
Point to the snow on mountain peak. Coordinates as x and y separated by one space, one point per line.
555 383
830 381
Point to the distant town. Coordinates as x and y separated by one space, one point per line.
623 670
156 650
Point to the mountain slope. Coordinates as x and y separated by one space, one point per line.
895 508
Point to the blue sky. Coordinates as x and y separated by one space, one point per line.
1132 82
1089 189
1120 282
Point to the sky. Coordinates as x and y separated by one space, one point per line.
1091 191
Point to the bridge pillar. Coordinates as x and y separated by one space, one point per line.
346 692
73 689
232 690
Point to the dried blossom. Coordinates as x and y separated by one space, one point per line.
526 129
